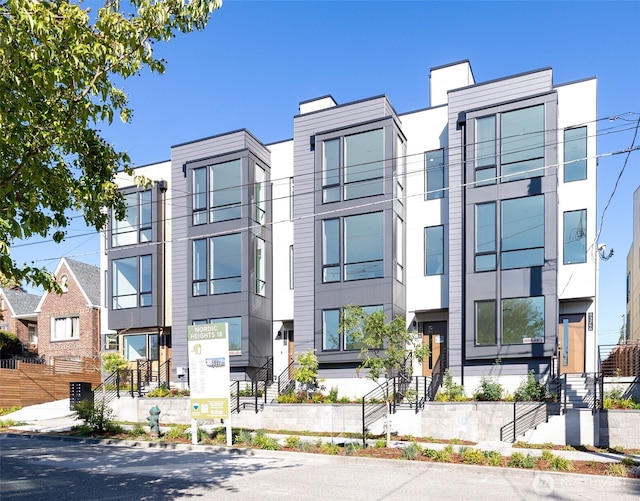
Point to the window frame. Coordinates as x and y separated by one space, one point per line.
508 250
575 166
434 177
503 322
137 224
234 331
142 290
70 325
207 194
341 343
581 236
440 270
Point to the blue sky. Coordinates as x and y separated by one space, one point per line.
257 60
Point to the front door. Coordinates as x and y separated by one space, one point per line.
291 350
434 335
571 341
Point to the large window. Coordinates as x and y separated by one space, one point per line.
261 267
352 166
400 250
522 241
65 329
434 177
217 192
141 347
260 194
486 322
136 225
234 331
362 248
575 154
132 282
520 143
486 236
575 237
523 320
434 250
224 265
335 340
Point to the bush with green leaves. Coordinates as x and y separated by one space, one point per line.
176 432
307 371
112 361
443 455
264 441
98 418
450 390
493 457
470 455
330 449
292 442
519 460
9 344
559 463
137 430
530 389
411 451
490 390
160 391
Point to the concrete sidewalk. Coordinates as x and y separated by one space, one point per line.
56 416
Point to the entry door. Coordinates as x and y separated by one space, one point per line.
571 336
291 351
434 335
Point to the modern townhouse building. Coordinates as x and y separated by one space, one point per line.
473 218
632 320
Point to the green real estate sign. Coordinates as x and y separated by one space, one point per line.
209 370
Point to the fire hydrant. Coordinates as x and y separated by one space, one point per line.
154 421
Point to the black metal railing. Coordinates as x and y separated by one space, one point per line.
164 374
286 382
374 406
113 386
526 416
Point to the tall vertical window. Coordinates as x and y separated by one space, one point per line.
363 164
485 142
523 320
486 322
331 171
260 194
575 154
141 347
434 174
226 264
261 267
364 246
575 237
136 225
522 241
401 164
486 237
291 268
217 192
331 250
353 166
199 267
330 330
132 282
65 329
522 143
434 250
225 184
400 250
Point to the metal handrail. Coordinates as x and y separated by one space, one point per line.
285 379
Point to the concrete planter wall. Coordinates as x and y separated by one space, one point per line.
475 421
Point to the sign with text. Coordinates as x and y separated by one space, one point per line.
209 379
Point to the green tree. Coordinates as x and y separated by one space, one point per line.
58 63
112 361
384 346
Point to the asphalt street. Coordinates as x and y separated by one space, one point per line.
64 469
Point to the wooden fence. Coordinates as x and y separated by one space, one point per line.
30 384
623 360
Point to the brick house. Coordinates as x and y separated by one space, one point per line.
17 315
69 323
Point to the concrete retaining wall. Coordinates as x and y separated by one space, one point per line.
475 421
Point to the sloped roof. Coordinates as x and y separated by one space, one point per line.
21 303
88 276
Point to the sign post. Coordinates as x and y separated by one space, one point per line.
209 378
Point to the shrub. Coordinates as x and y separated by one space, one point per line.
519 460
292 442
160 391
558 463
494 458
473 456
137 430
263 441
307 446
112 361
490 390
9 410
331 449
9 344
243 437
547 455
307 370
617 470
628 461
450 391
381 443
333 395
176 432
411 451
530 389
99 418
442 456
